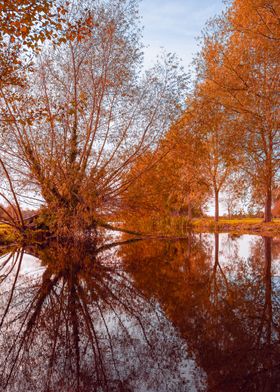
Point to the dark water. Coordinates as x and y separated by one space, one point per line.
200 314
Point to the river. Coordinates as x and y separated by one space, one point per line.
196 314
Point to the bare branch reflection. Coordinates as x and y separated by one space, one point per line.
82 325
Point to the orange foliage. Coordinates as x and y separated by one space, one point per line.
239 68
166 182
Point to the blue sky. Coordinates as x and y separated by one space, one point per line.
174 25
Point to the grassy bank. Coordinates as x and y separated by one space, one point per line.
181 225
242 225
169 226
9 236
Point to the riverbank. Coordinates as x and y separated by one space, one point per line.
7 234
238 226
176 228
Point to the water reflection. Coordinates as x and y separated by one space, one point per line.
82 325
226 308
188 315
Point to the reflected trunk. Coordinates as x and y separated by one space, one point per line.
216 205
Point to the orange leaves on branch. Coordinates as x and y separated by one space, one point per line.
81 29
24 26
30 21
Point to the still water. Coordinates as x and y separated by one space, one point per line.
199 314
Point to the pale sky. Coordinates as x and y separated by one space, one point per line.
174 26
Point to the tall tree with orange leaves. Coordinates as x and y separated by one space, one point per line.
240 61
172 189
213 140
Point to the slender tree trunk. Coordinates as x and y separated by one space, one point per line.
229 213
269 180
188 258
216 205
189 210
268 204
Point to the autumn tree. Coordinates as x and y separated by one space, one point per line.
213 136
192 187
235 196
171 186
88 114
241 63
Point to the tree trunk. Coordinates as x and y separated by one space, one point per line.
216 205
268 204
229 213
190 210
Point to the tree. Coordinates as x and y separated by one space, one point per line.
216 147
235 194
192 187
171 184
241 62
88 115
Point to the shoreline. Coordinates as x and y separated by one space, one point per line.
237 226
250 226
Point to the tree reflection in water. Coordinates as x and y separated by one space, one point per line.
228 311
82 325
188 315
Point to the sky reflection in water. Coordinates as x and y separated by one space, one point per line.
193 315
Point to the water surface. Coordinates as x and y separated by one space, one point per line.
199 314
